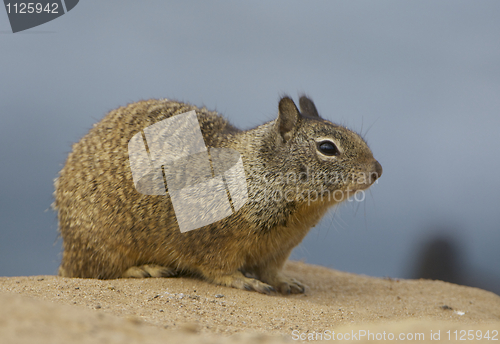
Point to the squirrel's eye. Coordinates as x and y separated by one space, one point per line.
328 148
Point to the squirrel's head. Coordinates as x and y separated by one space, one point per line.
311 155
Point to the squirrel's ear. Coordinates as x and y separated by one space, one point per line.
307 107
288 117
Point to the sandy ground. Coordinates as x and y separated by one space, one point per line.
51 309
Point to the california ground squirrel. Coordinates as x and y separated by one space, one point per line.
296 167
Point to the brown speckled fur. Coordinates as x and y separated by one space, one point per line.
110 230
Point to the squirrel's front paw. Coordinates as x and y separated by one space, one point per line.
287 285
238 280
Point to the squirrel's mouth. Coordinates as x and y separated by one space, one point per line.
362 186
359 187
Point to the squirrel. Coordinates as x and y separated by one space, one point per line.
296 167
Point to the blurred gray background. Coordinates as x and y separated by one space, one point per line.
421 78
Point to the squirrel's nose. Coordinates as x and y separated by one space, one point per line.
378 170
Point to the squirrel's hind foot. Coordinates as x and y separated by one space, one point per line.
149 270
